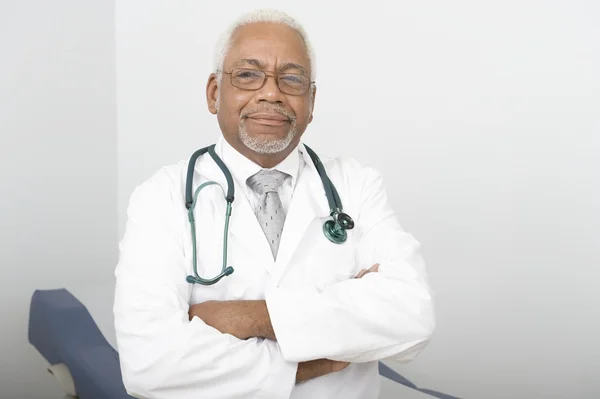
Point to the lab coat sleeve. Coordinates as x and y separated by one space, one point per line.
384 315
162 353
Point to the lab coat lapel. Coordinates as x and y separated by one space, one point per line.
307 204
243 224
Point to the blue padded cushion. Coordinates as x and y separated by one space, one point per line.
63 331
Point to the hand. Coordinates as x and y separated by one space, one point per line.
338 366
372 269
221 315
317 368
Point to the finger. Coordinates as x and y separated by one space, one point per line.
372 269
361 273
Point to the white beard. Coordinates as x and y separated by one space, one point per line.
266 146
263 146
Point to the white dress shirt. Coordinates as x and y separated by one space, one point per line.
242 168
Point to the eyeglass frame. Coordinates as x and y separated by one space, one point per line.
268 74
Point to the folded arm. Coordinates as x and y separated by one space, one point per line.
383 315
244 318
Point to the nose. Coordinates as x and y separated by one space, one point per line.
270 91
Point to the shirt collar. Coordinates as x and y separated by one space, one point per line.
242 168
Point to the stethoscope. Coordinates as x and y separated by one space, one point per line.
334 230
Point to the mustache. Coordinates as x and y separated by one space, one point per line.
280 110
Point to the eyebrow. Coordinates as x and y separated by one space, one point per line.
259 64
291 65
251 61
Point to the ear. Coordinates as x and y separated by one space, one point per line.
312 105
212 91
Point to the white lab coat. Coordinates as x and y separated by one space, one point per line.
316 307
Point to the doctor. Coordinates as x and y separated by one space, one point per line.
300 317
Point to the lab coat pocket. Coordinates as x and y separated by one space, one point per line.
330 263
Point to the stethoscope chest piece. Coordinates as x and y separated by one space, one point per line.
335 230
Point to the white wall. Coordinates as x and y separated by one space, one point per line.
484 119
57 166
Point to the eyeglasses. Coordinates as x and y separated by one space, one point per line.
254 79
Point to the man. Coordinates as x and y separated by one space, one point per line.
301 317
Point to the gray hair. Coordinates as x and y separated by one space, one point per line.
263 15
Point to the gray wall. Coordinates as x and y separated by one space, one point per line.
58 166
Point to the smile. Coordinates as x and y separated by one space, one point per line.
269 119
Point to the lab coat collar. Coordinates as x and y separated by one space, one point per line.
308 203
242 168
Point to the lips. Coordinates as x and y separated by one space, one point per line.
268 118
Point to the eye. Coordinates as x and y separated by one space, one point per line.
293 79
247 74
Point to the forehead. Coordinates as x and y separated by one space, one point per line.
271 43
